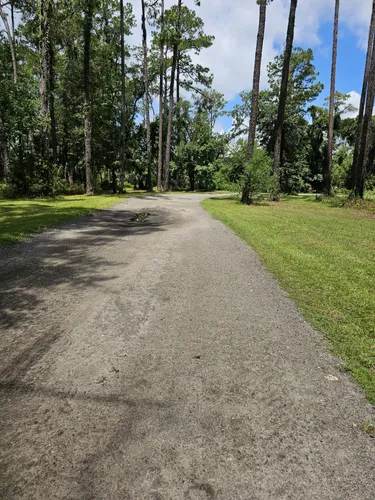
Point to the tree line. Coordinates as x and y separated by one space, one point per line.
363 151
83 110
77 98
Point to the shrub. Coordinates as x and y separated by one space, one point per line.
222 183
257 180
74 189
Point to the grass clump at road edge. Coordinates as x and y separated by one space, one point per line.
21 217
323 256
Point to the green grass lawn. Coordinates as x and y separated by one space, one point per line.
324 257
18 218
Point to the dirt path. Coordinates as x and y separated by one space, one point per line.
157 359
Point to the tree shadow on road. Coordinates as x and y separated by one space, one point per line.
68 256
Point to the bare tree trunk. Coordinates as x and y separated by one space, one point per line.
178 70
4 18
87 99
255 92
123 99
352 183
366 133
52 99
171 107
165 78
284 89
12 19
161 99
147 97
170 121
328 174
44 74
4 159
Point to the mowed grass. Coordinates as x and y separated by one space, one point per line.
324 257
19 218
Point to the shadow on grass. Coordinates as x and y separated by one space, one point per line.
31 268
224 198
19 219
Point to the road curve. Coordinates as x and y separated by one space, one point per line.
156 359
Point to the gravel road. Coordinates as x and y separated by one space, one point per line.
157 359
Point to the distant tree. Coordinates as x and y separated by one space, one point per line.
176 42
366 133
4 18
184 33
44 54
255 91
284 89
357 173
147 97
89 7
161 98
328 173
123 102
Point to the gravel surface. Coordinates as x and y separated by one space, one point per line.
154 358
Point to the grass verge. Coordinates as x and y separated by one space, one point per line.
19 218
323 256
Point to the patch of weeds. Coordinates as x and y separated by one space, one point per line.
369 429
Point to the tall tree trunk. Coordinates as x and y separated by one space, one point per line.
366 132
352 181
171 99
52 97
44 54
4 18
87 97
328 173
255 93
123 100
4 158
12 20
147 97
178 99
165 79
170 121
284 89
161 99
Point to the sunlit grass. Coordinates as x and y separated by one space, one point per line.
323 256
19 218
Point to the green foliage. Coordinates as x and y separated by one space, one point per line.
257 178
297 169
196 157
36 172
342 164
231 167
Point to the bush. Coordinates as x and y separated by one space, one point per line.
222 183
35 178
74 189
258 181
128 186
7 191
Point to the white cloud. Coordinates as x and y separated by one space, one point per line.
234 25
354 100
356 15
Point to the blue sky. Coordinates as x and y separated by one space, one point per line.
350 65
234 23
